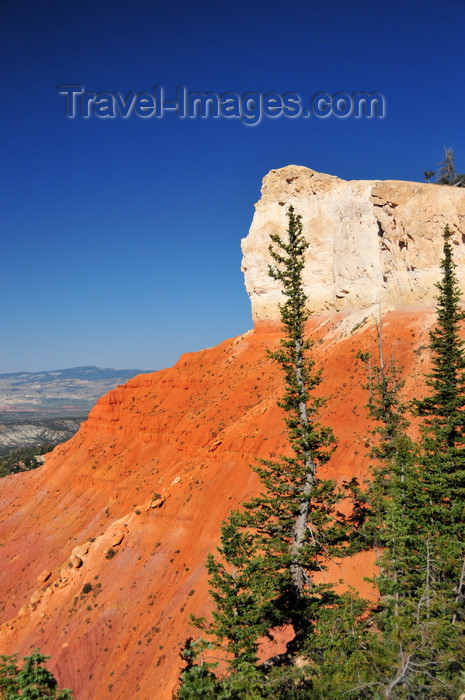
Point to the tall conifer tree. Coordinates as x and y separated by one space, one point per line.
417 501
444 407
440 498
443 437
392 530
271 548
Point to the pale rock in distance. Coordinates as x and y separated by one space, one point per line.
371 241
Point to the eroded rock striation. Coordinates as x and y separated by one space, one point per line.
371 242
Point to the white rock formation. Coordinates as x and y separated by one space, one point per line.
370 241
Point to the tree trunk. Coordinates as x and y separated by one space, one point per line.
299 576
459 591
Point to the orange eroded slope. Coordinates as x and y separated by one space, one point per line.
139 494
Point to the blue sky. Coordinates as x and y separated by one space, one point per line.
120 238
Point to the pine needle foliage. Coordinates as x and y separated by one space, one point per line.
295 520
271 549
33 681
416 518
442 496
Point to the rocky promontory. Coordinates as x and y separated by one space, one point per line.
371 241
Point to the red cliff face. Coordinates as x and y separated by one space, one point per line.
103 548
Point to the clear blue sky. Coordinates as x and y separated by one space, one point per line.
120 238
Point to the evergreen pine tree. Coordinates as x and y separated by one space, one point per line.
31 682
416 508
443 408
392 529
295 522
442 475
433 629
271 550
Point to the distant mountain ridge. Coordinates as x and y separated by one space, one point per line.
74 388
85 372
49 406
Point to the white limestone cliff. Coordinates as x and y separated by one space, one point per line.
370 241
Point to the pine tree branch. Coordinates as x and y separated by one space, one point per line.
459 597
401 675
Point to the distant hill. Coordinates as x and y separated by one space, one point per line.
58 392
49 407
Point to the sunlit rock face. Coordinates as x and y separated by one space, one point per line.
370 241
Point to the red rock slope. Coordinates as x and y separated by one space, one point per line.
103 548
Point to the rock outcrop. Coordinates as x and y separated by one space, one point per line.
103 548
371 242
